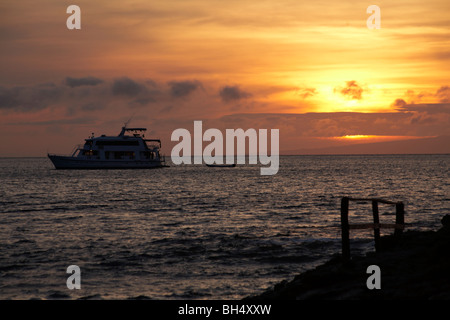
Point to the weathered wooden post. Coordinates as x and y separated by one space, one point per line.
345 229
376 227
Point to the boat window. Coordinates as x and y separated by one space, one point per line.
117 143
124 155
90 152
147 155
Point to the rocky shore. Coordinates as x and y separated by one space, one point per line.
415 266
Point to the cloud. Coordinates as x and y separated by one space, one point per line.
425 101
76 121
86 81
86 94
144 100
318 125
126 87
425 115
399 104
306 92
351 91
183 88
414 98
9 98
233 93
429 108
30 98
91 106
443 93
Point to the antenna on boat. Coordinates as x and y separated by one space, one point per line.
127 122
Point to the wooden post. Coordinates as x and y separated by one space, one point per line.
345 229
376 221
399 217
376 225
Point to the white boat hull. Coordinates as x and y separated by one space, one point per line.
64 162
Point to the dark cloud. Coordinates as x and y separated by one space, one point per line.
144 101
429 108
85 81
126 87
83 94
399 103
333 124
151 83
233 93
414 98
351 91
82 120
420 118
183 88
443 94
9 98
91 106
27 99
424 114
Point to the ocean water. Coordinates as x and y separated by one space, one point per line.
193 232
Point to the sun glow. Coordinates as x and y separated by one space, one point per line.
356 137
374 138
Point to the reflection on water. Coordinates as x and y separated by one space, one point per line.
193 232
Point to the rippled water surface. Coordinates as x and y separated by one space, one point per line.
193 232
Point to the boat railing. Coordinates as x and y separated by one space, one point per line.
76 148
152 146
153 143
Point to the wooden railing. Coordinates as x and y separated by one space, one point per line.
376 225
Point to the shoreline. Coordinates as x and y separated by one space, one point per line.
415 266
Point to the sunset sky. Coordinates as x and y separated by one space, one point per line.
311 69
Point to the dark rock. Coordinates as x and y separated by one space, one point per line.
446 220
414 266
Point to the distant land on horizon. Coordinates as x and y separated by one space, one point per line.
437 145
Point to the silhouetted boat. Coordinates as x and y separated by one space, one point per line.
114 152
221 165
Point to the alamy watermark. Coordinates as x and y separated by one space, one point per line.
374 281
73 22
74 281
213 152
374 21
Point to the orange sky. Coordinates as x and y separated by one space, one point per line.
313 70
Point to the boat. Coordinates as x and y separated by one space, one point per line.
125 151
221 165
